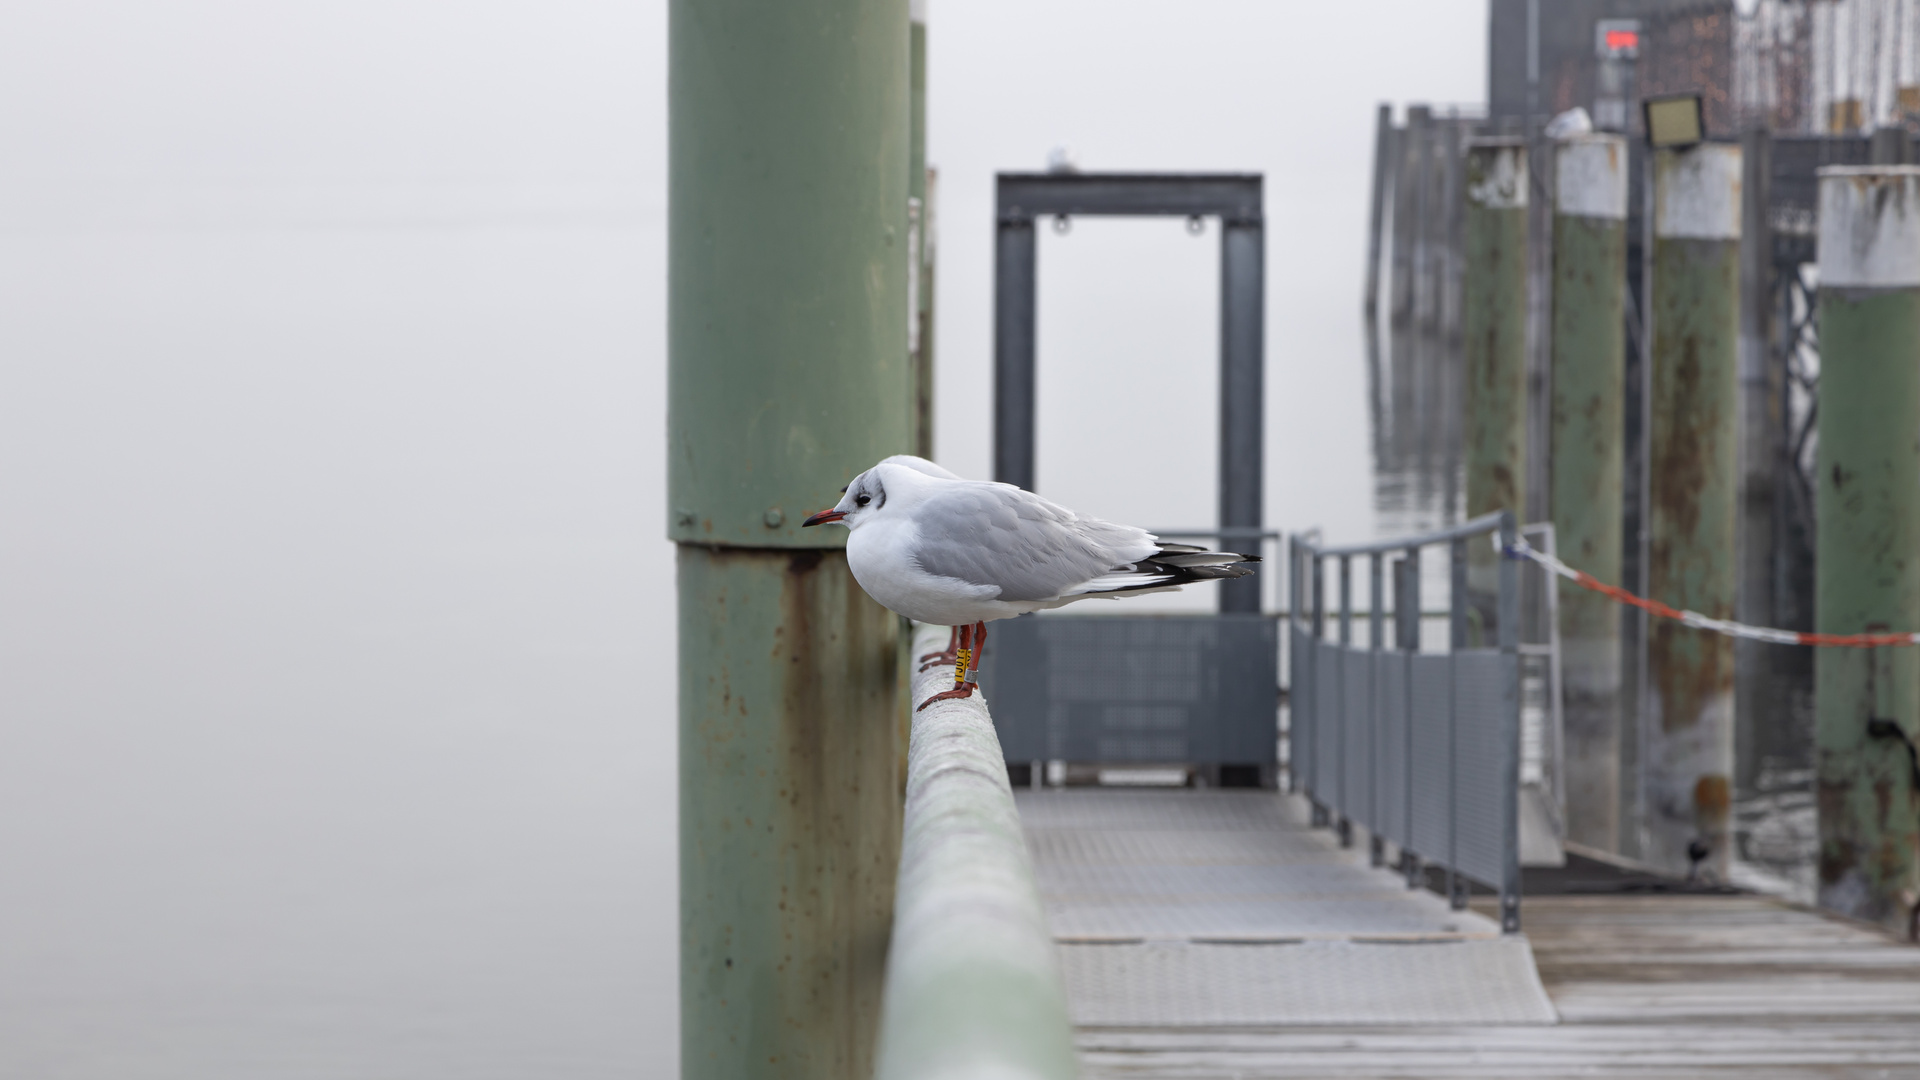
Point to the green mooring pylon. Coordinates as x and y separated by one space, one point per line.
1867 568
1692 486
1588 344
787 341
1493 332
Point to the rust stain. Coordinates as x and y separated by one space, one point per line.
1712 796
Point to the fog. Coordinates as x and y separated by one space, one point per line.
336 655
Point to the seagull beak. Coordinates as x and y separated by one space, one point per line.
823 517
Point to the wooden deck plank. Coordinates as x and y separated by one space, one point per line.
1646 986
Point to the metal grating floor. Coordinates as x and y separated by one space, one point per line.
1181 907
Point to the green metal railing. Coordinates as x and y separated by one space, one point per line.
972 987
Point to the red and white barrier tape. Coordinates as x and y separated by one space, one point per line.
1523 550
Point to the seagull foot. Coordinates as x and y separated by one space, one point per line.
964 690
950 656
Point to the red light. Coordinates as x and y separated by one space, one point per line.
1623 39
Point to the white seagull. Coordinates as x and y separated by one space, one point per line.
962 553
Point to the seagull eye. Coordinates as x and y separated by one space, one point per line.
862 500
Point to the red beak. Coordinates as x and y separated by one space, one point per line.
823 517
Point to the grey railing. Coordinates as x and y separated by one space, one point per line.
972 987
1422 749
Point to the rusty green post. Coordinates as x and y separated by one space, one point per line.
1867 570
923 359
1493 331
919 243
1693 494
1588 349
787 375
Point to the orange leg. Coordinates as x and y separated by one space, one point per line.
935 659
963 660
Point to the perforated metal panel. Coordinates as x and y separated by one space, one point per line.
1390 723
1356 721
1179 983
1186 689
1431 696
1213 908
1326 707
1485 740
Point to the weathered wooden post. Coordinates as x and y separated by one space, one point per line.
1867 569
1493 318
787 334
1693 484
1588 351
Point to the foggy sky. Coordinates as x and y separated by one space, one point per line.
335 614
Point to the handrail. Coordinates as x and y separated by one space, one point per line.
972 988
1476 526
1421 749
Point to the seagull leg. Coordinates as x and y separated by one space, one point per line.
935 659
979 651
962 661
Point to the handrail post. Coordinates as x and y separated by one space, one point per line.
1317 575
1510 727
1376 639
1457 612
1407 625
1300 725
1345 714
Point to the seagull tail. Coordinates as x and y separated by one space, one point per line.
1169 568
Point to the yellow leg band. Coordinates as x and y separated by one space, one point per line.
965 661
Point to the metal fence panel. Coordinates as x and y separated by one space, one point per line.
1390 724
1356 723
1158 689
1424 749
1484 708
1431 694
1326 710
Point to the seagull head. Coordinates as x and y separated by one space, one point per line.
862 498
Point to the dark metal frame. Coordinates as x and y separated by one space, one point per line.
1235 198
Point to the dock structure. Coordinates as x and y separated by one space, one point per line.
1200 932
1216 933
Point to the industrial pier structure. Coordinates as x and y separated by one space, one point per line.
1623 347
1677 343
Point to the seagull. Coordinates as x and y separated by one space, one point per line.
939 549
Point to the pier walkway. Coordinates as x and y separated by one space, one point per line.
1215 934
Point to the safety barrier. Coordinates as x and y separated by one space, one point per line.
1421 749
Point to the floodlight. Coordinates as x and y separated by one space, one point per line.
1674 120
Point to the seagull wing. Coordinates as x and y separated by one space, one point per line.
1025 546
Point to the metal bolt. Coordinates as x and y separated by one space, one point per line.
774 518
